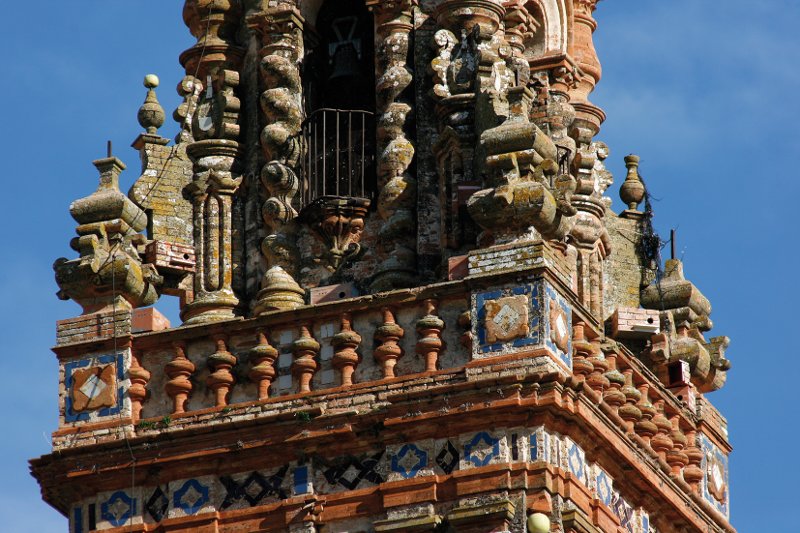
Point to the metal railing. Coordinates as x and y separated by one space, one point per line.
340 155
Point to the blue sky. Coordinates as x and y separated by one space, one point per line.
704 92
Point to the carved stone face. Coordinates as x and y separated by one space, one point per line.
507 318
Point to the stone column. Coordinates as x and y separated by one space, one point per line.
397 195
582 49
280 30
215 181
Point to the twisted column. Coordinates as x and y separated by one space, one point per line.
305 350
397 187
281 32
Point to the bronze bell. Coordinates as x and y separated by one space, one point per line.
345 62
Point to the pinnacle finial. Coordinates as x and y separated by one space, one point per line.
151 114
632 191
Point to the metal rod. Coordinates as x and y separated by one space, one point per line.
672 242
337 152
108 149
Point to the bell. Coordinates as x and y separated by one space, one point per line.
345 62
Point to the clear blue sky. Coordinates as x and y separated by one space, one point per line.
704 92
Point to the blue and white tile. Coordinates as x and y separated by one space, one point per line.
483 448
193 496
410 460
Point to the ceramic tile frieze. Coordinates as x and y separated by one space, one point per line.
322 475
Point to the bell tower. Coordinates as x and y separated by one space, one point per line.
407 303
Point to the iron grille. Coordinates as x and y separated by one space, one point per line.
340 155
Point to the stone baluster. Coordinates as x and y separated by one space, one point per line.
597 380
429 330
583 350
397 195
280 30
630 412
388 335
345 343
262 359
465 323
305 350
676 457
221 378
645 427
613 395
137 392
692 473
179 371
661 442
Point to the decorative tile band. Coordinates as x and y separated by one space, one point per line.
320 475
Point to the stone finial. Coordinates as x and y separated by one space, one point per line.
109 273
632 190
151 114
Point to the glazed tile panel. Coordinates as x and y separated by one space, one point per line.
516 318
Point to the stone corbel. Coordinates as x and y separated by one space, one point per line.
339 222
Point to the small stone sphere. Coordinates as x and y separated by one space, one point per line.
151 81
538 523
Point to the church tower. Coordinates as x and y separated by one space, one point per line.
407 304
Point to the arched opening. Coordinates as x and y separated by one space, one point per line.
339 90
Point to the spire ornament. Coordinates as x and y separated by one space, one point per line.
151 114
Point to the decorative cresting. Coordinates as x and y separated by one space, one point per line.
109 273
685 315
280 30
396 185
